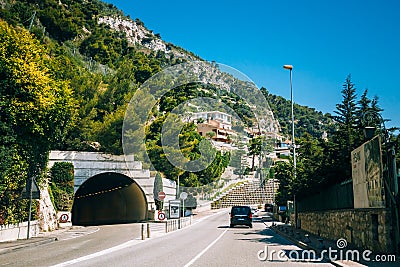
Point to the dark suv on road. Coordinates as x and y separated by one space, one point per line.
241 215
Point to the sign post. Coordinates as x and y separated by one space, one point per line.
174 207
31 191
183 196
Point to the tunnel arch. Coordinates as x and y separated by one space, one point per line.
109 198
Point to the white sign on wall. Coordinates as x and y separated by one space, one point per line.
367 175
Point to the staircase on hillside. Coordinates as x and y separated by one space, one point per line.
250 193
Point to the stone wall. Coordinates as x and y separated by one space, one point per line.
18 231
364 228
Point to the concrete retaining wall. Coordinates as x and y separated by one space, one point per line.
364 228
18 231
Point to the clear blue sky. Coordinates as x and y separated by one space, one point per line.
323 40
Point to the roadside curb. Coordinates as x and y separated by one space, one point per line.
24 245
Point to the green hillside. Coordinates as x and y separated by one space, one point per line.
68 71
105 68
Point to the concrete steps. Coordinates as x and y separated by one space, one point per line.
250 193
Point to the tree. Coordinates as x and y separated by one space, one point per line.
396 142
282 172
210 134
35 113
309 170
158 187
236 161
364 104
13 175
255 148
39 109
346 134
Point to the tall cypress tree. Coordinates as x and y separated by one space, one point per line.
347 133
364 105
158 187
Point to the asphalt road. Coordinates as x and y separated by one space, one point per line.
209 242
75 244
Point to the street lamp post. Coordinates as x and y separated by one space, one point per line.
290 68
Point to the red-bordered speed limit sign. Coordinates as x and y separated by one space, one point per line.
64 218
161 215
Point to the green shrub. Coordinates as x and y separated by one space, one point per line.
62 185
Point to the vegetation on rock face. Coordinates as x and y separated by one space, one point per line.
66 83
307 120
189 141
62 185
70 92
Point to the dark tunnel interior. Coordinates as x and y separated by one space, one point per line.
109 198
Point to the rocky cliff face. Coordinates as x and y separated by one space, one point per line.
137 34
47 213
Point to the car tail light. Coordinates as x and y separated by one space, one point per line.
251 215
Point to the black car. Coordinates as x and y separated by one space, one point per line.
241 215
268 207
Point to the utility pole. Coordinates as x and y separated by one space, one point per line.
30 206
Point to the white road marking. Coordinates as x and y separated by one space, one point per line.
128 244
205 250
98 254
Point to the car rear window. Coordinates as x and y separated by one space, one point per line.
240 210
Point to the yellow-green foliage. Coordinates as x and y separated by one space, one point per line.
35 111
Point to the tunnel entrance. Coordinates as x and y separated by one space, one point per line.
109 198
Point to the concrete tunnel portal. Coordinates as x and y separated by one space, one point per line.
109 198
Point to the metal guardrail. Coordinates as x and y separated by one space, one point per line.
164 227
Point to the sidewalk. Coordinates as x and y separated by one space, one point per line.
42 238
308 241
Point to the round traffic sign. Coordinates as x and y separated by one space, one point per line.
64 218
161 215
161 195
183 195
